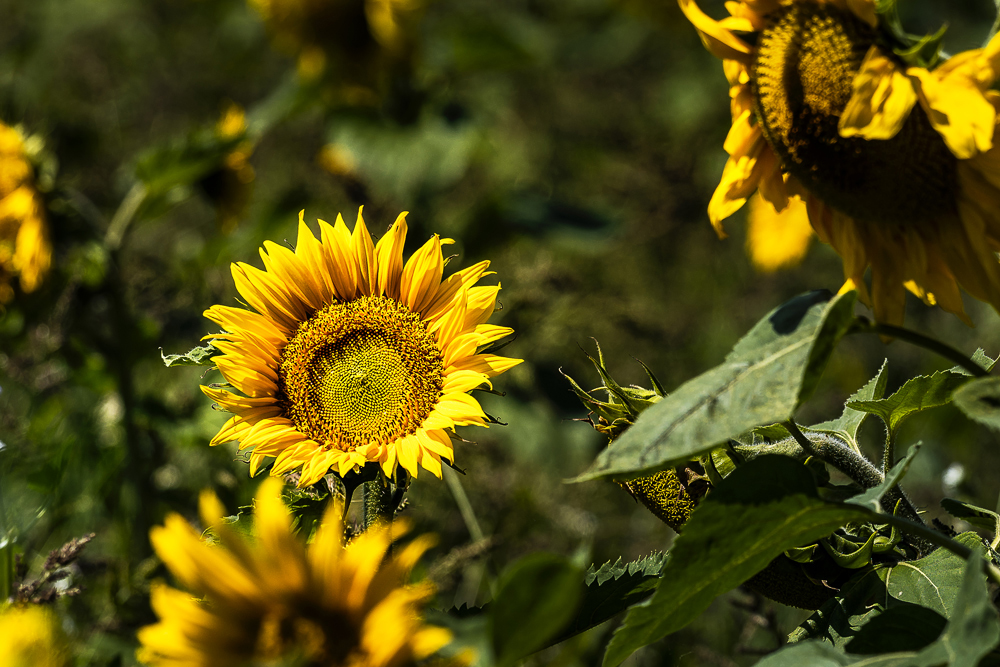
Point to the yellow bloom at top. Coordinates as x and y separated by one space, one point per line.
894 165
274 600
351 356
25 250
30 637
355 36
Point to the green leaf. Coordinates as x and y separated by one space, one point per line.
977 516
900 628
199 356
611 589
916 395
536 598
763 380
871 497
932 581
736 531
971 633
980 401
849 423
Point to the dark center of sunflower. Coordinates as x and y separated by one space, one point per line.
805 62
363 371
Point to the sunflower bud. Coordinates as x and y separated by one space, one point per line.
671 495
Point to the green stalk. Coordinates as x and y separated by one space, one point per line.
920 340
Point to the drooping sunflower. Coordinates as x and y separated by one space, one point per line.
25 249
274 600
350 356
891 160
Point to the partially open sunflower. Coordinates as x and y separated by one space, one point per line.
350 357
892 163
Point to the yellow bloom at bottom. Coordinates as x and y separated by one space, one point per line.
274 600
30 637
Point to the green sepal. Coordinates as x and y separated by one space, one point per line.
925 52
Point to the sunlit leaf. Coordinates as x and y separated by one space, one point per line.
763 380
916 395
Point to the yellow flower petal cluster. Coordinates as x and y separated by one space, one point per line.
231 186
30 637
897 167
25 250
274 600
350 356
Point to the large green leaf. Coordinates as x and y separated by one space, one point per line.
765 507
971 633
536 597
980 401
763 380
917 394
932 582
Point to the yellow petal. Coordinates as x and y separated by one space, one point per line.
718 40
957 109
777 240
882 99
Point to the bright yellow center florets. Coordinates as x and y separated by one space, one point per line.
804 66
362 371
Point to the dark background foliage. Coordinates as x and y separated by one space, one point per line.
575 143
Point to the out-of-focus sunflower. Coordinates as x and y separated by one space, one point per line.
888 153
274 600
357 38
30 637
25 249
231 185
350 357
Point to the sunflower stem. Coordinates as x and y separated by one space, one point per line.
380 503
920 340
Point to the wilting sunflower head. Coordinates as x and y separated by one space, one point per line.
275 600
351 357
25 250
31 637
354 37
877 144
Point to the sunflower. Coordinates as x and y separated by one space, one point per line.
25 250
350 357
31 637
841 130
274 600
357 37
230 185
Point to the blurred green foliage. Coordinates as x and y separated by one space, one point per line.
575 143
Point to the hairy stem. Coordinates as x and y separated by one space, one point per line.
380 503
854 465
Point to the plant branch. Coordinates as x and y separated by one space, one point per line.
124 215
926 342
